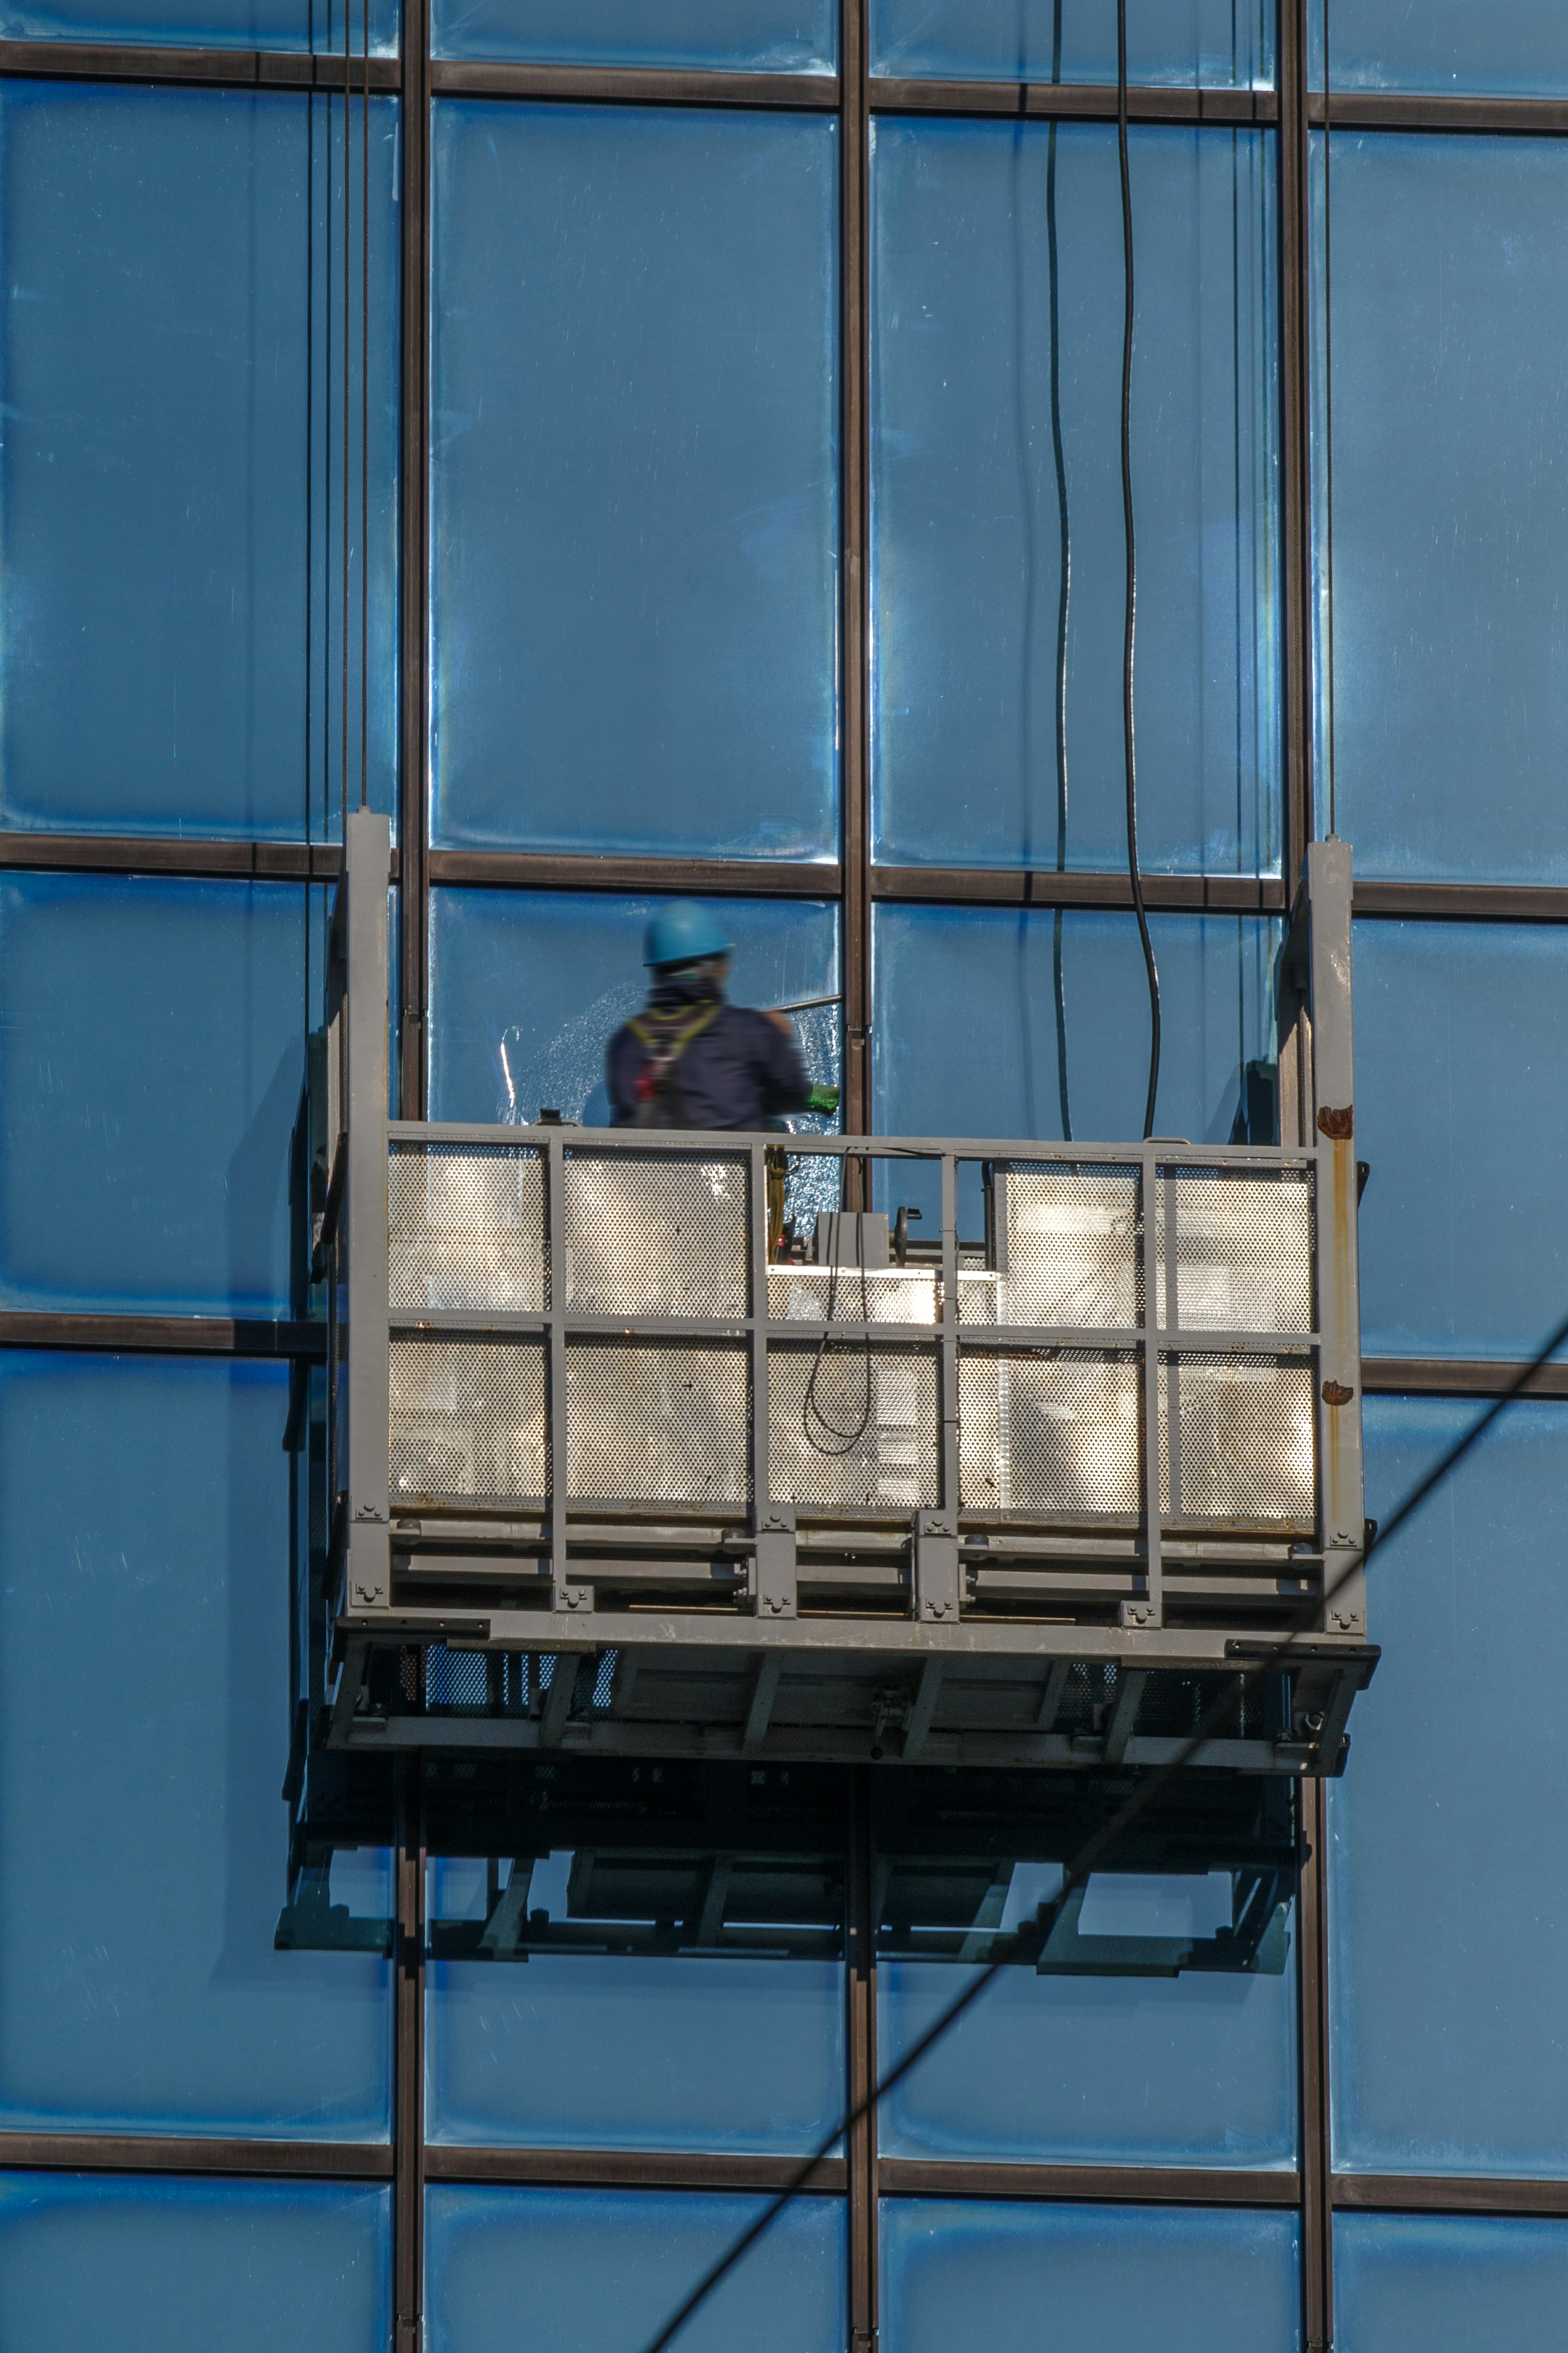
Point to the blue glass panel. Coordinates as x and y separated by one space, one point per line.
1207 41
1447 2284
966 2277
633 480
599 2272
526 989
582 2051
171 467
1195 2070
209 24
1510 46
739 36
152 1054
1461 1031
975 531
144 1547
182 2267
1450 342
1446 2058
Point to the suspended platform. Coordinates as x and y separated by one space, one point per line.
631 1446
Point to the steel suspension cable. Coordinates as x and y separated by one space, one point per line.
1129 631
364 424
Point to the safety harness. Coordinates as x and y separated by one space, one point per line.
659 1103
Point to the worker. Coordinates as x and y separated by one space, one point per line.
690 1059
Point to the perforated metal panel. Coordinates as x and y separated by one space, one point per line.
1242 1432
1050 1433
467 1421
653 1236
467 1228
977 1295
657 1422
853 1430
1243 1249
849 1294
1068 1245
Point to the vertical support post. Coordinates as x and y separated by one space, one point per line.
1339 1303
855 575
1148 1610
757 1239
1295 429
947 1363
414 734
366 860
1311 1987
408 2072
561 1592
860 1985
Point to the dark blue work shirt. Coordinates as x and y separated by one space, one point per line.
739 1071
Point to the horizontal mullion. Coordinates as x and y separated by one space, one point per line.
1070 102
216 69
1473 902
162 1336
740 877
1364 110
1437 2193
93 853
1129 2185
170 2153
1458 1376
631 85
595 2168
1012 887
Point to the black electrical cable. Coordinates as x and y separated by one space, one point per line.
364 423
1064 590
348 251
1129 757
1329 413
809 1407
1028 1940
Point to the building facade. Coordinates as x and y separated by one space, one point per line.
652 447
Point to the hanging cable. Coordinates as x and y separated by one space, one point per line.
810 1408
364 423
1027 1942
1329 412
348 323
1064 586
1130 632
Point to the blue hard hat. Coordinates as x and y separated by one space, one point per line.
684 932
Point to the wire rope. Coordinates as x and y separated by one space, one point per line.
1028 1941
348 325
364 420
1129 630
1329 415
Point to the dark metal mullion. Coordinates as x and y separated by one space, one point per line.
1295 421
1069 101
1366 109
861 2054
1311 1995
1016 887
408 2064
166 2153
151 66
855 778
162 1336
629 2168
414 766
633 86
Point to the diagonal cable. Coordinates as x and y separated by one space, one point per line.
1029 1939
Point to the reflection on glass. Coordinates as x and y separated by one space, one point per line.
171 651
527 988
998 536
1215 43
206 24
1450 337
1448 2282
797 37
1508 47
634 491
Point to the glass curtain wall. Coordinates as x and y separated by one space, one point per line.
676 448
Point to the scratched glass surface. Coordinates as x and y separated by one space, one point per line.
1450 483
1215 43
795 37
998 549
171 467
959 2276
1448 2057
1507 48
182 2266
634 481
144 1557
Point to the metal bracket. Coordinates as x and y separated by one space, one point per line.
776 1578
936 1553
